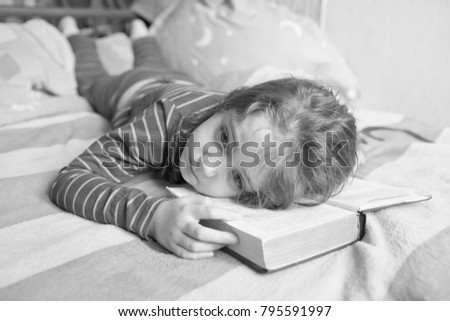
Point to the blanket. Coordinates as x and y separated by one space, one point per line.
19 103
48 254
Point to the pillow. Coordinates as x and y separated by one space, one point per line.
149 10
220 43
36 55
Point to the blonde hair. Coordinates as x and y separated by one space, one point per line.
306 114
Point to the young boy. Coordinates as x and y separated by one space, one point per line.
264 146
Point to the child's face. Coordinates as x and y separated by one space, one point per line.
213 169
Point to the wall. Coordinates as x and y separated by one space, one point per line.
400 51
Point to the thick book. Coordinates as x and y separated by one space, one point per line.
270 240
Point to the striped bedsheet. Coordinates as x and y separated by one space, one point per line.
48 254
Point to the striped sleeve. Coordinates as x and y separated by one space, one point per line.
91 185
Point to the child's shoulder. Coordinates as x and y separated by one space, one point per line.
191 99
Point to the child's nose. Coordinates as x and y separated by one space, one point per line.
209 171
212 164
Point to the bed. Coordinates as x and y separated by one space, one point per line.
48 254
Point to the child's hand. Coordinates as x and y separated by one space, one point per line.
175 225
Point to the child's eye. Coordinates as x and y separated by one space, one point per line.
223 137
237 179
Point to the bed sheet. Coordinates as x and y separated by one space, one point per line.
48 254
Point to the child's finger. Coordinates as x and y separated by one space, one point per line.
209 235
193 245
185 254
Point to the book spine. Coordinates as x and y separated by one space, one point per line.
362 225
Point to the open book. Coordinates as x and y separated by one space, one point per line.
273 239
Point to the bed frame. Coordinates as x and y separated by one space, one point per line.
106 17
101 17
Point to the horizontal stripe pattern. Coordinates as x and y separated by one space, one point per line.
26 197
57 237
133 270
47 254
29 161
83 128
41 245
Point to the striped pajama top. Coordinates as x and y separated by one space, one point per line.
91 185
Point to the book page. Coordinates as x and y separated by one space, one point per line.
360 195
293 218
263 221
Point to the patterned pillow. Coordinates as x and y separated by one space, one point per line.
221 43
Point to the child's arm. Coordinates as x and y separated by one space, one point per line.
90 186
